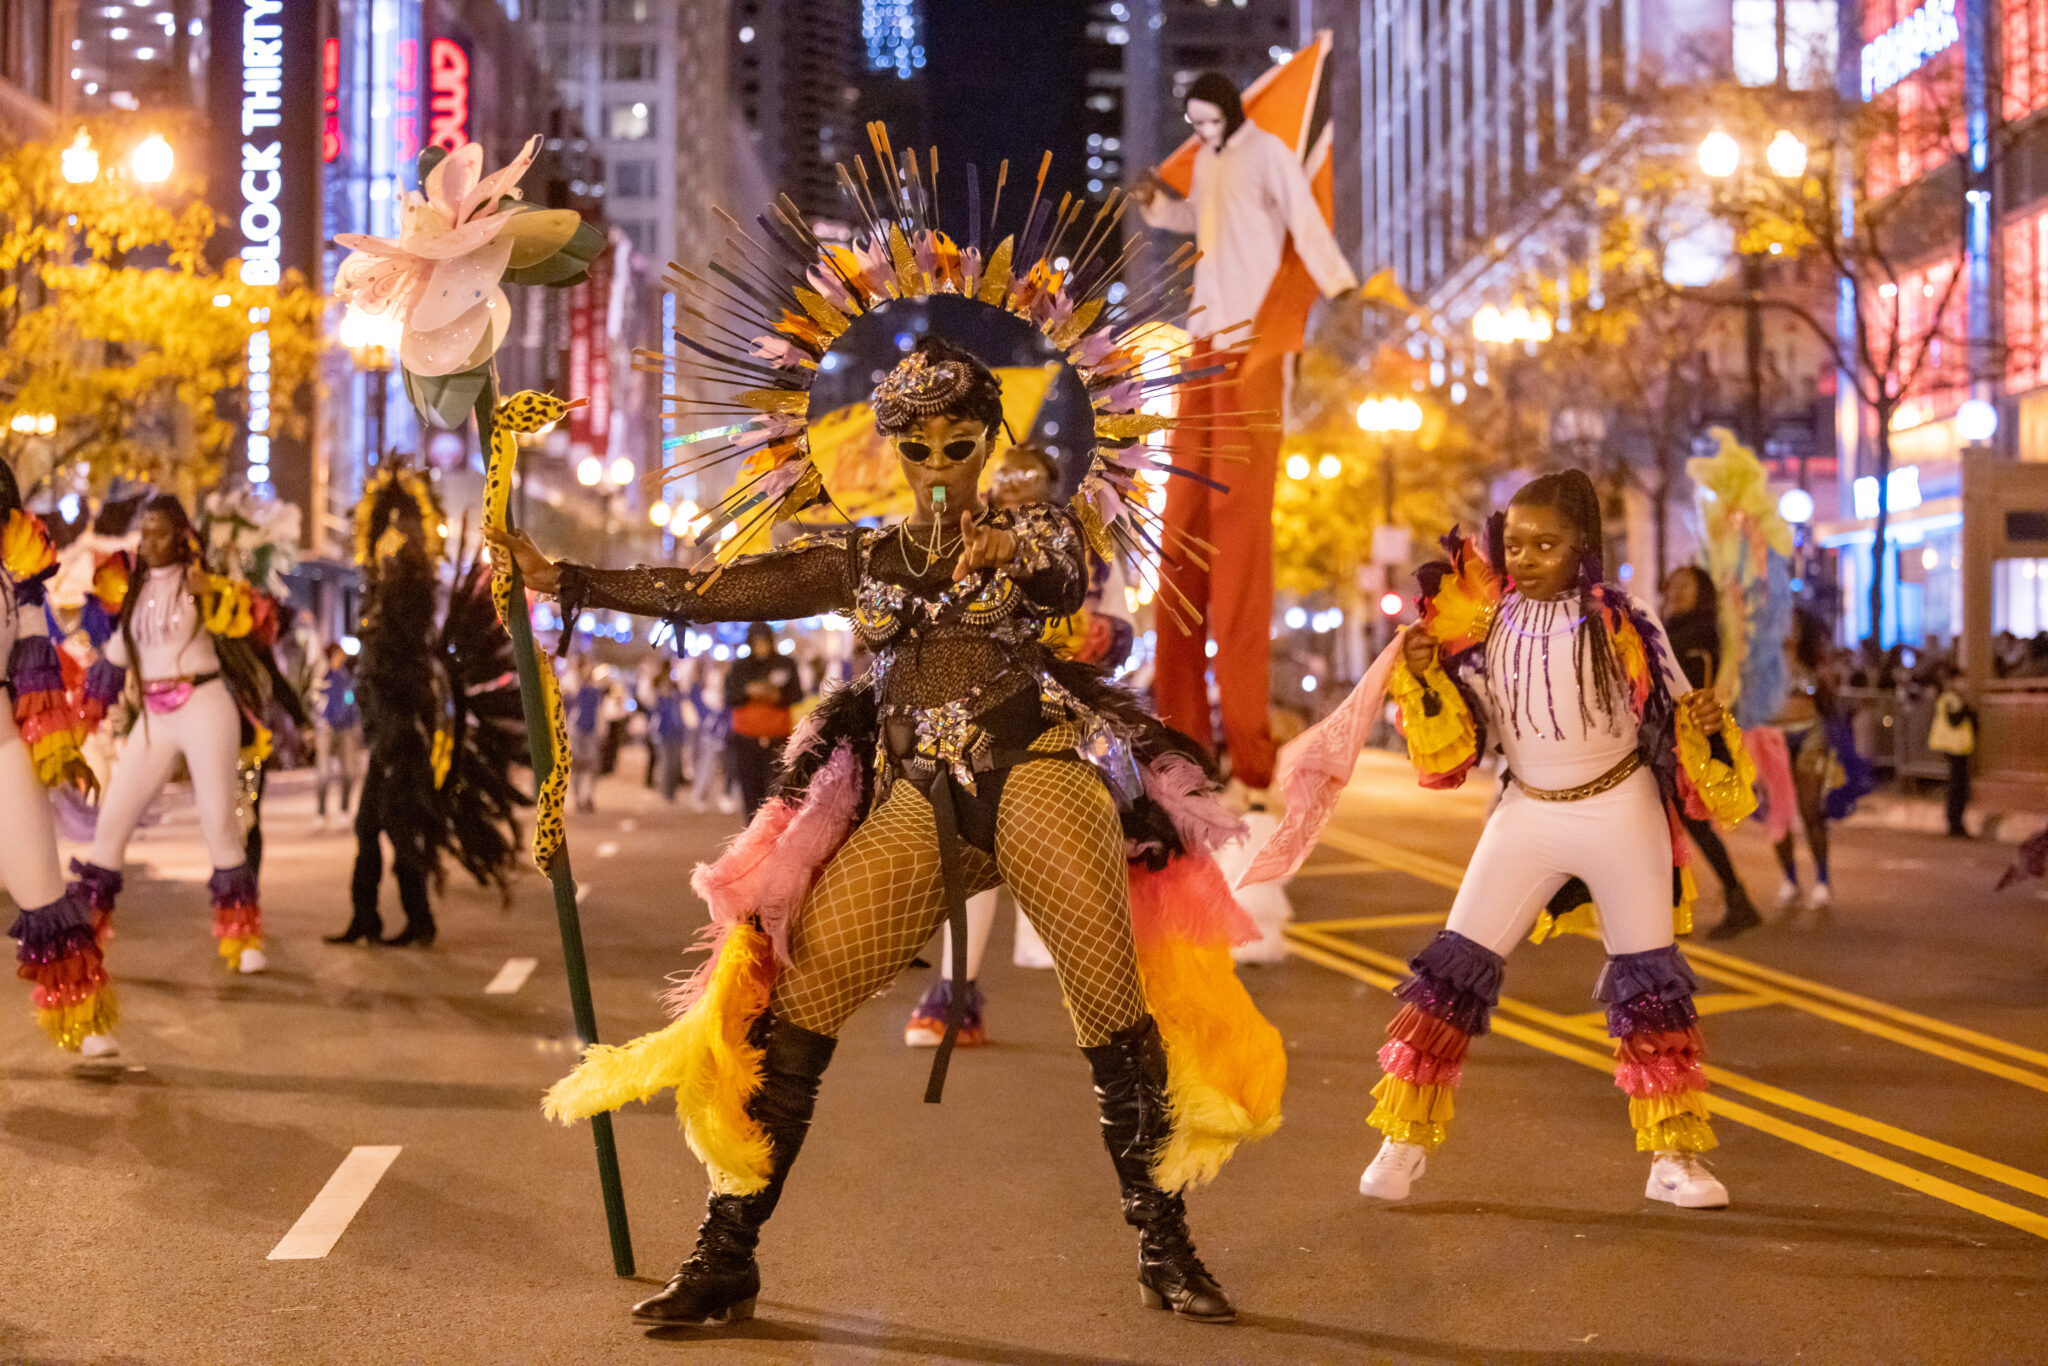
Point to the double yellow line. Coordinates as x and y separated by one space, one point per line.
1325 943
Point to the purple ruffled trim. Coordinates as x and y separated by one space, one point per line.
51 933
98 886
33 667
234 886
1456 980
104 681
1651 1014
1659 971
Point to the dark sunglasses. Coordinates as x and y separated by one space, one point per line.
918 452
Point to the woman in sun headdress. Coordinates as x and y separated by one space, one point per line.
968 753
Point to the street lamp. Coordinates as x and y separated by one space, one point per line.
622 472
152 160
372 342
1786 156
1720 154
589 471
79 163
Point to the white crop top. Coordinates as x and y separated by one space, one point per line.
1554 733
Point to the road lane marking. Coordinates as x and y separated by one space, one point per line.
608 849
1990 1043
1793 989
1406 921
1847 1153
327 1218
1960 1158
512 976
1341 868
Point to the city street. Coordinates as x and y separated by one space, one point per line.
1882 1111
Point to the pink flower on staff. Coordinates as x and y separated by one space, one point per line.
441 276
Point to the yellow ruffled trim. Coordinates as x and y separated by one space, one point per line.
52 754
1226 1065
1437 744
1727 790
1428 1137
705 1056
1679 1134
1584 918
1659 1110
1404 1100
69 1025
231 948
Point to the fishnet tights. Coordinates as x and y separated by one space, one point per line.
1058 845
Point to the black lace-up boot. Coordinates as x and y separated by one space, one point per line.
1130 1086
720 1280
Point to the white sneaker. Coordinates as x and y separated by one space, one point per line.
1393 1170
252 961
1683 1180
99 1046
1788 895
1821 898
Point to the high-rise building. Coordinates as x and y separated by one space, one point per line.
30 38
797 71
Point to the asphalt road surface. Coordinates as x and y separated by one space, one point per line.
1882 1094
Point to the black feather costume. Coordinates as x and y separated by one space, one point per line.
441 714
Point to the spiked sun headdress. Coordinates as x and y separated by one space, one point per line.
760 319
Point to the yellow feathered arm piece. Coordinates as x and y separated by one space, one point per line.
25 545
1726 787
527 411
704 1057
228 607
1443 739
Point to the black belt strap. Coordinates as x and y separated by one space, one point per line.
953 884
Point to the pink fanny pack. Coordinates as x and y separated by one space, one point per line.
169 694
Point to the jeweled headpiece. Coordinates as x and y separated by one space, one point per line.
796 296
918 388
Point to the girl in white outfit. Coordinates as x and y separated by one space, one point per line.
165 635
58 949
1575 684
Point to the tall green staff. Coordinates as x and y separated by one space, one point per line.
463 236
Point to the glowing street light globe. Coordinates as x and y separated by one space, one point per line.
152 160
1796 506
622 471
659 514
1297 467
1720 154
1786 156
589 470
79 163
1977 421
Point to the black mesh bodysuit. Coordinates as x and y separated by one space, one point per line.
966 699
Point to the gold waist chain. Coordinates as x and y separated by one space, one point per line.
1606 782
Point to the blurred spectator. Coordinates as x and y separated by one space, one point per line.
1954 733
668 731
337 729
583 696
760 689
709 779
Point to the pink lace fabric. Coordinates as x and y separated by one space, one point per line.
1313 769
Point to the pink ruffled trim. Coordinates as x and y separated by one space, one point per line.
1398 1059
1188 900
1178 784
1669 1075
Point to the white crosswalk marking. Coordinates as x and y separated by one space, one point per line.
327 1218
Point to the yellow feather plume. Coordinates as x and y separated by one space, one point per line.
1226 1066
705 1057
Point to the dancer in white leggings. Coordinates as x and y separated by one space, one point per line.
1577 686
58 951
166 637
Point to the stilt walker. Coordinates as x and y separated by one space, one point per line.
1525 649
58 948
967 753
198 644
1263 230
